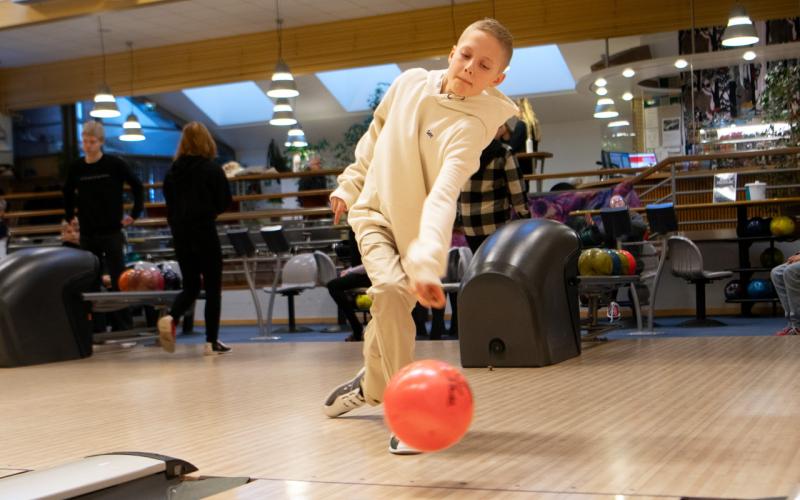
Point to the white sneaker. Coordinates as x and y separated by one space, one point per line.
397 447
346 397
166 333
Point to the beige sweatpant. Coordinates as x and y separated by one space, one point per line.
390 335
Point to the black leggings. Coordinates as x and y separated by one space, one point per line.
200 257
109 250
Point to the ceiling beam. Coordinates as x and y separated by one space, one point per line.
397 37
13 15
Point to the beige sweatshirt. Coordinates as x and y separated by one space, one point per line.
420 150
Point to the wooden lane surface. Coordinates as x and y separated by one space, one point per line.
264 489
677 416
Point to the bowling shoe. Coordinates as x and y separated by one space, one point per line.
346 397
166 333
217 347
397 447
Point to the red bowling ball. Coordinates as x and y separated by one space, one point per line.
428 405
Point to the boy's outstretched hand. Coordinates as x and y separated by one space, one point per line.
339 207
430 295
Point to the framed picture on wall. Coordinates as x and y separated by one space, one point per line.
671 132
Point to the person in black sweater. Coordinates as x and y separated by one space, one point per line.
196 191
99 182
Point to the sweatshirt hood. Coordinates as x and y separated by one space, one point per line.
184 165
491 106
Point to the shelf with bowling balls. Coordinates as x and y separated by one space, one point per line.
756 290
606 262
780 226
150 277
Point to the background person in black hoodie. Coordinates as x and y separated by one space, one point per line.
99 181
196 191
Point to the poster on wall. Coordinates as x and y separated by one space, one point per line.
671 132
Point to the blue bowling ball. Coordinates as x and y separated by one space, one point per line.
760 289
758 226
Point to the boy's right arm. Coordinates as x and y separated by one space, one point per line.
69 195
351 181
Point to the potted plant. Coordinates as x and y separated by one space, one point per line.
780 100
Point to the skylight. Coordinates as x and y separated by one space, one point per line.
353 87
537 70
232 103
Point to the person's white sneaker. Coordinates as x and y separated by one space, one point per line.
166 333
346 397
397 447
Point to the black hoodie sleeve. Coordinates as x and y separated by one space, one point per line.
69 194
223 197
137 189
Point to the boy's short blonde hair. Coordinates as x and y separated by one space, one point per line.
94 129
498 31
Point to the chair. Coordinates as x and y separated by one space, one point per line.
246 250
687 263
298 274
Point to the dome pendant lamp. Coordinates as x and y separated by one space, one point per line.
740 30
105 105
132 129
282 84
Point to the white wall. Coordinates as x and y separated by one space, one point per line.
575 146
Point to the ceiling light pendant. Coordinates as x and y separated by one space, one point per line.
618 123
132 129
282 84
681 63
282 118
296 131
749 55
282 104
605 108
299 141
105 103
628 73
627 96
740 30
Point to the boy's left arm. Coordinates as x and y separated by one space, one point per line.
427 255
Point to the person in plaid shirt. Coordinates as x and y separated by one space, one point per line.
489 194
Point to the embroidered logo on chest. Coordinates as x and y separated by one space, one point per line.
429 133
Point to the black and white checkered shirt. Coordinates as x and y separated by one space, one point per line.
489 194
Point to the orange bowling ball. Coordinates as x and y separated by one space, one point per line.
428 405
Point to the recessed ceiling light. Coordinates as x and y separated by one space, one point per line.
681 63
628 72
749 55
601 91
601 82
627 96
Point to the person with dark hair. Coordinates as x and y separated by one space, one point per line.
95 187
196 192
